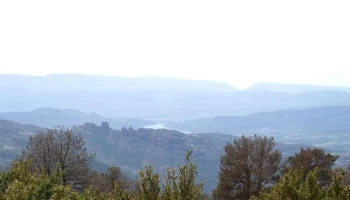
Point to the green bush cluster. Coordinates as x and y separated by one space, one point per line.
20 182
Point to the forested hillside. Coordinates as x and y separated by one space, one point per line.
14 137
132 149
55 164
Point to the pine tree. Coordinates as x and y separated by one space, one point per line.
309 159
247 167
181 185
147 185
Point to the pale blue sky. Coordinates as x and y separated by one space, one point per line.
239 42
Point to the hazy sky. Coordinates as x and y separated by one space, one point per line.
240 42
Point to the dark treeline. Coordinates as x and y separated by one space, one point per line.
56 165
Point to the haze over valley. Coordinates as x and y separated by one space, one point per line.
141 117
174 100
120 97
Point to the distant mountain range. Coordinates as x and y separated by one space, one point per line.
287 119
80 82
170 104
294 88
154 97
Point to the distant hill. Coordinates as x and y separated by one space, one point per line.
286 119
49 117
79 82
294 88
325 127
13 138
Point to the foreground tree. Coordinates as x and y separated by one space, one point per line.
147 184
178 185
182 184
309 159
247 167
346 180
60 147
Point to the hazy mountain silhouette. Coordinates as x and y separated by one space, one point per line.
49 117
170 104
336 116
294 88
150 97
79 82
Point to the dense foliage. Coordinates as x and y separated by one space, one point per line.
132 149
294 186
251 168
56 161
20 182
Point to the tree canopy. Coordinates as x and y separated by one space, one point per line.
248 166
308 159
59 146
